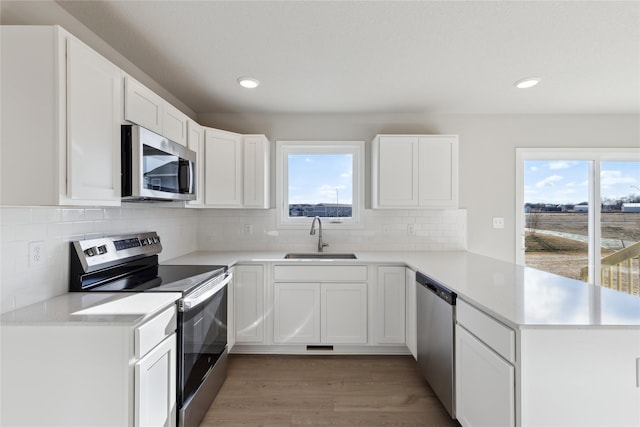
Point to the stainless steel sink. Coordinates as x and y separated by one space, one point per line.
319 255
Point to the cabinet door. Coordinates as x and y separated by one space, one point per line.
397 171
391 305
223 168
343 313
142 106
256 172
174 124
94 113
195 142
249 303
484 384
438 171
410 317
296 313
155 386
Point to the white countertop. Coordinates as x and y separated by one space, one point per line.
522 297
93 308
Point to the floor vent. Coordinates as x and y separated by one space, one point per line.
320 347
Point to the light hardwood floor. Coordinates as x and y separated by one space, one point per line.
371 391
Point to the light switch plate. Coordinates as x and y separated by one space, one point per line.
498 222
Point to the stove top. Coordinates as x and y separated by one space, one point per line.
129 263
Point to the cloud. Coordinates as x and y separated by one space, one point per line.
561 164
610 178
549 181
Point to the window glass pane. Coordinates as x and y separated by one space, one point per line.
620 225
320 185
556 195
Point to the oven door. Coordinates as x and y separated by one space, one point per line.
202 341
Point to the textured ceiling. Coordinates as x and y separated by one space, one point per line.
381 56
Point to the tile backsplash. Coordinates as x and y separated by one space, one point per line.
384 230
185 230
23 282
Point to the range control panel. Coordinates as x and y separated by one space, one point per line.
103 252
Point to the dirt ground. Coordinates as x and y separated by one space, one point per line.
566 256
615 225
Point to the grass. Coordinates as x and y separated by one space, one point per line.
547 243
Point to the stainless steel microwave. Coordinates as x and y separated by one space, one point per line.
154 167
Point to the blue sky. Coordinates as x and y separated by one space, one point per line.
320 178
566 181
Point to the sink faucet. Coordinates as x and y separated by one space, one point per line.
312 232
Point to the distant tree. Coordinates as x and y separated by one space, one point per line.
533 221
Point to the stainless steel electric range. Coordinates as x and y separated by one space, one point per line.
129 263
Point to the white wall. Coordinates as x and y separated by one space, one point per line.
487 152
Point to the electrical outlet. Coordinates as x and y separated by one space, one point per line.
411 229
36 253
248 229
498 222
386 229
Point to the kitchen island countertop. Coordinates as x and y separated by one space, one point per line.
521 297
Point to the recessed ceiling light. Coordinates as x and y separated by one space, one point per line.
527 83
248 82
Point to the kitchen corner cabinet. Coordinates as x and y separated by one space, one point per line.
414 171
144 107
249 312
61 116
236 170
391 302
94 374
320 304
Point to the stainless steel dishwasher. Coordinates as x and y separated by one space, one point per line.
435 329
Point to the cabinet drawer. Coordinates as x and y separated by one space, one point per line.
493 333
320 273
150 334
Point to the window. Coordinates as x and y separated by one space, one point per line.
319 178
580 214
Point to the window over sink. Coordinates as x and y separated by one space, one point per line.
319 178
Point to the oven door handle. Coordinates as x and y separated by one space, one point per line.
201 295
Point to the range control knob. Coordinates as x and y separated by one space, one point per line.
90 252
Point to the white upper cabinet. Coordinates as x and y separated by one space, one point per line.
174 124
195 143
256 162
144 107
61 115
223 168
236 170
414 171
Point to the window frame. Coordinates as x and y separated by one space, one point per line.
595 156
284 148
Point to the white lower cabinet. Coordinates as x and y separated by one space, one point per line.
249 312
485 374
155 386
90 372
331 309
296 313
343 317
411 312
484 384
391 305
320 313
